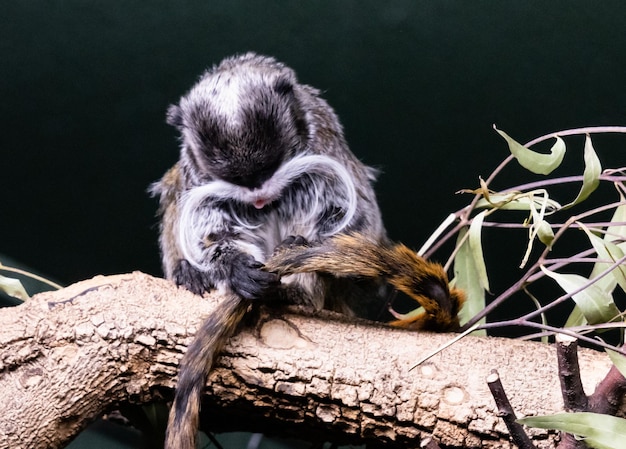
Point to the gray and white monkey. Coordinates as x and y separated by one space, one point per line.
263 164
267 201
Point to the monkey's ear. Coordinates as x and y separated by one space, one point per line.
174 116
283 86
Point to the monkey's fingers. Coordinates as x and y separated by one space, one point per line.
249 281
189 277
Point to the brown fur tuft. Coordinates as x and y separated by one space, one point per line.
356 255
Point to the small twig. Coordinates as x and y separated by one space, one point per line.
552 329
505 411
577 330
574 397
447 344
516 287
578 132
559 181
596 225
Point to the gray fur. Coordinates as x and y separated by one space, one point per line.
262 159
244 128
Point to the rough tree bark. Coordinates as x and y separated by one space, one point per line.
71 355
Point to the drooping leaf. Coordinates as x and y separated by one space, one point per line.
544 319
595 304
539 227
618 360
476 248
591 175
617 232
610 252
466 278
515 201
13 287
545 232
542 164
599 431
575 318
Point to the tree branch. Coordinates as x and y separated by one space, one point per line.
68 356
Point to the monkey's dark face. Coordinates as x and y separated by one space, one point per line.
241 135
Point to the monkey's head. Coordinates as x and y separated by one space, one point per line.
241 121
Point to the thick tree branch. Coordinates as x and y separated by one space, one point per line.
68 356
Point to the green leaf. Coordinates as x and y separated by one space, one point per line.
544 319
599 431
617 232
466 278
545 232
515 201
618 360
591 175
539 227
595 304
542 164
476 249
576 318
606 251
13 287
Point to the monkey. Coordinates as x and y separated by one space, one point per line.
265 174
262 158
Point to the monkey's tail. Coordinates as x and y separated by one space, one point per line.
195 366
355 255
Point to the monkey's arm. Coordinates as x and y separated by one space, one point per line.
200 250
354 255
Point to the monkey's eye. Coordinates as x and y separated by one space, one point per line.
255 179
250 181
266 173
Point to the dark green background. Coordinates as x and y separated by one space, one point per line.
84 86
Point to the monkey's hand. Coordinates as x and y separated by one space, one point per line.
245 277
191 278
249 280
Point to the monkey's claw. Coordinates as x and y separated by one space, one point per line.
192 279
290 242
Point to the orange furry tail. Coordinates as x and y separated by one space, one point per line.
354 255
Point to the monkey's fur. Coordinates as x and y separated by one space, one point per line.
356 256
263 160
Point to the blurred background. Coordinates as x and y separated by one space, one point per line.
84 87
